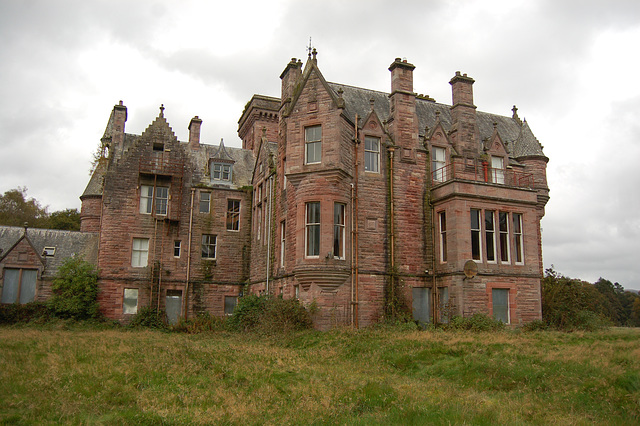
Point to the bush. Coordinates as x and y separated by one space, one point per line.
203 322
476 322
536 325
149 318
30 312
75 290
269 315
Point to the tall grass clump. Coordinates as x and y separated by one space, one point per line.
148 317
269 315
476 322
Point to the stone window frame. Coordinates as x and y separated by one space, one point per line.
369 152
512 292
476 234
177 248
490 236
518 238
139 252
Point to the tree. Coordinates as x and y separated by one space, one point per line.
68 219
75 290
17 210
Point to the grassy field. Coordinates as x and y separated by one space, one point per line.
377 376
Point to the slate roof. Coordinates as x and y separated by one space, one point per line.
517 134
67 244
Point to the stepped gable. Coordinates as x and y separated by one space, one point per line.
66 243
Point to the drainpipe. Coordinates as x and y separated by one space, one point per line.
392 227
355 228
186 284
269 231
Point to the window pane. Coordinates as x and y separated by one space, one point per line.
313 229
371 154
443 237
313 144
162 200
438 163
208 246
176 248
233 215
475 234
205 202
338 230
504 237
10 288
130 301
489 235
146 199
140 252
28 285
497 167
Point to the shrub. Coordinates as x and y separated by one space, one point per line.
30 312
476 322
201 323
536 325
149 318
75 290
269 315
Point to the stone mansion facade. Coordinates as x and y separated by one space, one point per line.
345 196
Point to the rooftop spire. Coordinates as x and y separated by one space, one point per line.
161 110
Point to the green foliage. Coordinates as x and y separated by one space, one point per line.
30 312
569 304
68 220
537 325
148 317
476 322
203 322
269 315
75 290
17 210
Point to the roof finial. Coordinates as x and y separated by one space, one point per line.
515 113
161 110
309 48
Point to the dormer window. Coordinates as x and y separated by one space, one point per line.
221 171
313 144
497 170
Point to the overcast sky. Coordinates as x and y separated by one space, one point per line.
571 67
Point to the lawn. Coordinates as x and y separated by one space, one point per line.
78 375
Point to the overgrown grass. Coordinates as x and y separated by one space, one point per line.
375 376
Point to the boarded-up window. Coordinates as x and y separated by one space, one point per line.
173 305
130 301
421 305
19 285
230 303
500 298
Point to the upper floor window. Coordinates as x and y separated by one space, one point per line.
312 225
443 236
371 154
140 252
205 202
209 246
283 230
490 235
497 170
177 245
517 238
338 231
313 144
147 199
19 285
221 171
504 236
475 235
438 163
233 215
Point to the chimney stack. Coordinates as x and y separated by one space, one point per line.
194 132
290 77
464 132
403 122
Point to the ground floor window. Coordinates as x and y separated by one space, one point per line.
19 285
500 302
230 303
130 301
312 226
173 306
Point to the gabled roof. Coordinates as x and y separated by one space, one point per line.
516 134
67 244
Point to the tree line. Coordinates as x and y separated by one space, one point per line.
17 209
569 303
